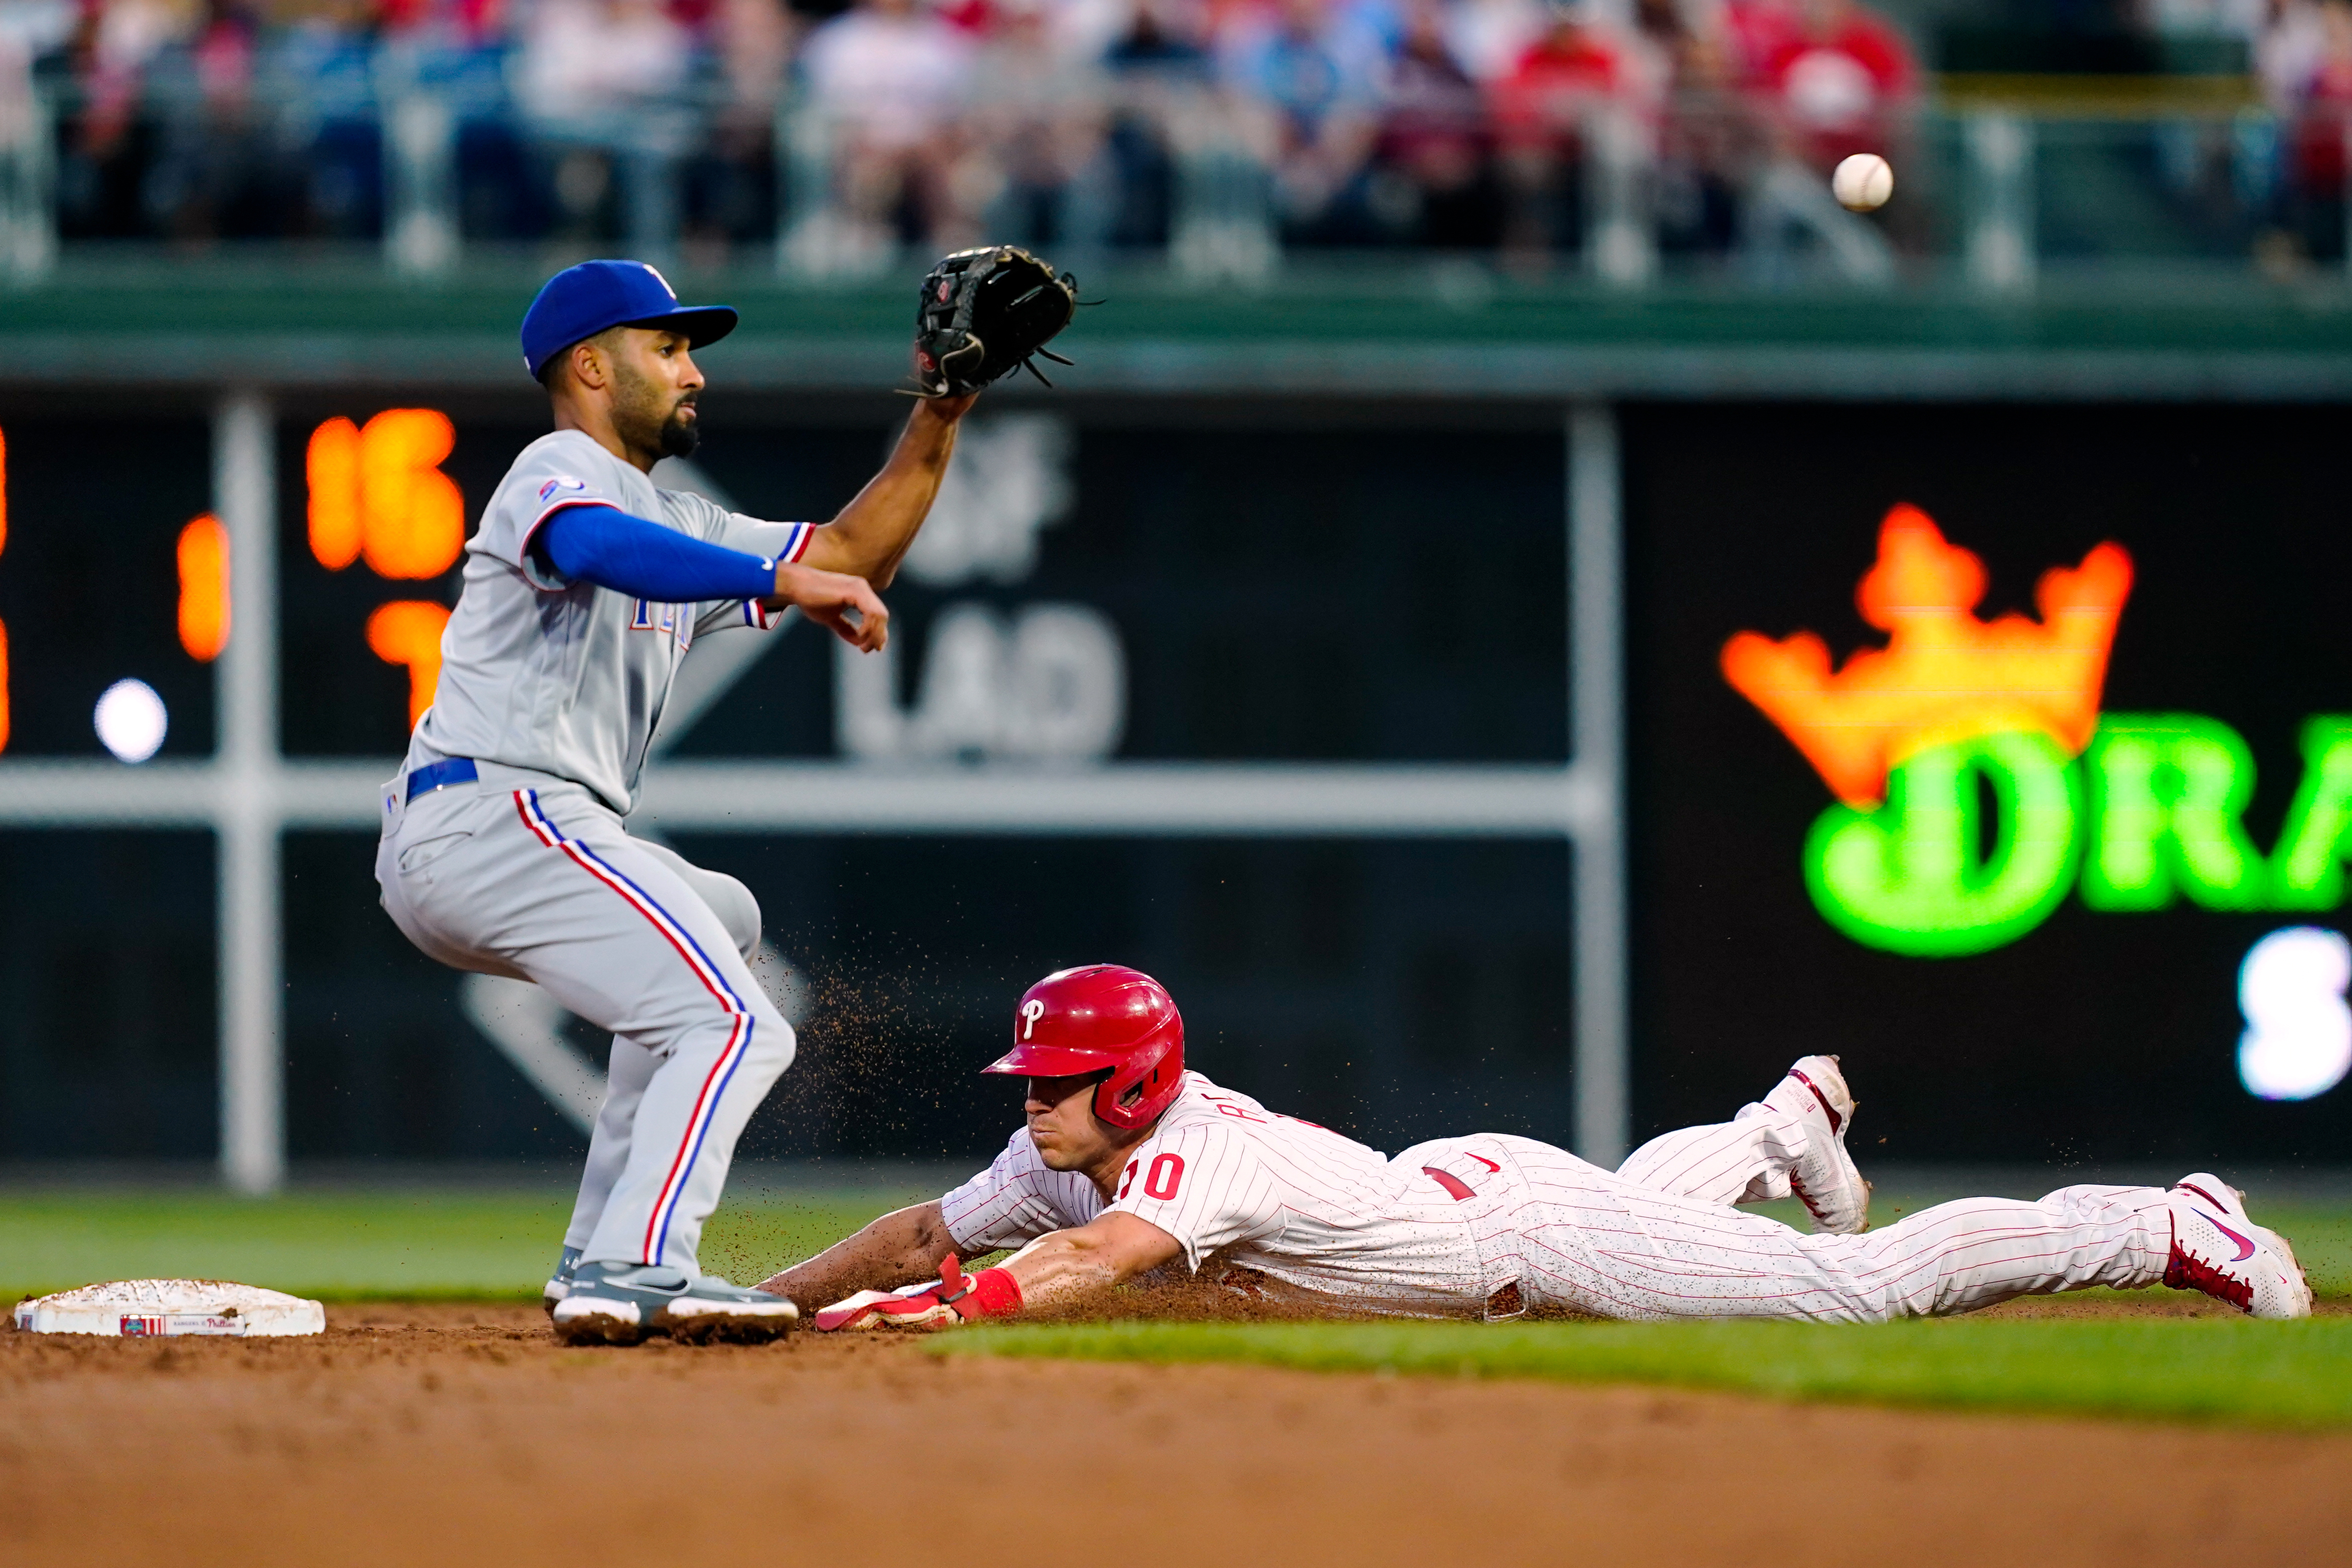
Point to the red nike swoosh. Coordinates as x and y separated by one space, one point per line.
2245 1245
1484 1161
1453 1184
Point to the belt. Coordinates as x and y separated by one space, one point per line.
441 775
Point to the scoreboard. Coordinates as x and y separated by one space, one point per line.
1313 612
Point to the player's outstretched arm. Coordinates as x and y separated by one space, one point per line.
1112 1246
903 1245
874 533
1056 1269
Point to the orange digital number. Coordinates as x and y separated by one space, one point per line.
203 588
408 632
377 491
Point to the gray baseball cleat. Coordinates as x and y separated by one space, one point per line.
559 1284
1826 1179
620 1303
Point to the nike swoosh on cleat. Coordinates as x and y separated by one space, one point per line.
2245 1245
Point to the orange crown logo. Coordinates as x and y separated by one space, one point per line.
1944 675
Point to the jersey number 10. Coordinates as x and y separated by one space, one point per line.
1166 1173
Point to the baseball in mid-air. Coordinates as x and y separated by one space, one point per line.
1862 181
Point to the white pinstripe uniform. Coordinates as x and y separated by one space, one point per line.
551 690
1496 1224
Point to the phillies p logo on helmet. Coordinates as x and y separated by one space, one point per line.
1102 1018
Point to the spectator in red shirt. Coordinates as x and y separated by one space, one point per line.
1541 111
1827 79
1754 32
2322 110
1835 83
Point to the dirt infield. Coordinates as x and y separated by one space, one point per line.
462 1436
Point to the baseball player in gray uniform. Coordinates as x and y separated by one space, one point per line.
504 849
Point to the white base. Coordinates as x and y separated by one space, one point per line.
136 1308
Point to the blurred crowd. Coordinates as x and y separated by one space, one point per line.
1075 125
2304 53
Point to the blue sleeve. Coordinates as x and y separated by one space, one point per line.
612 549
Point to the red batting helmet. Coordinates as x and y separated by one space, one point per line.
1103 1017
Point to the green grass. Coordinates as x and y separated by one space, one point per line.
2288 1374
423 1244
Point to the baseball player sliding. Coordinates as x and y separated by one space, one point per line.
1129 1163
503 850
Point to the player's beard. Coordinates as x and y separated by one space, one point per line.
674 431
681 432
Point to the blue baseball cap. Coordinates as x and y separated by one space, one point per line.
580 301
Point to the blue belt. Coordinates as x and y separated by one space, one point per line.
441 775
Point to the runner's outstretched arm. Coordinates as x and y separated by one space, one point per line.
1068 1264
899 1248
1060 1268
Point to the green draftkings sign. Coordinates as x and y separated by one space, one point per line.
2150 814
1957 714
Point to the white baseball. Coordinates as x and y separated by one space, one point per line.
1862 181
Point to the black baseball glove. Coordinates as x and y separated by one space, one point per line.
983 311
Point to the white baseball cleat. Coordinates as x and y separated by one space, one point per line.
2220 1251
1826 1179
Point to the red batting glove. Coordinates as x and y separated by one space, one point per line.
955 1299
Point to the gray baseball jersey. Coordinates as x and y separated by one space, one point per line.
563 677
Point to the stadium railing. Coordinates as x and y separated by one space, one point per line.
2000 182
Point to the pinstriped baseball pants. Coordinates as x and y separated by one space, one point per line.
1659 1239
542 884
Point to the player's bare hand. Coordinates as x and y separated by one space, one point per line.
845 604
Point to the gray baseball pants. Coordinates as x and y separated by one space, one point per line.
538 881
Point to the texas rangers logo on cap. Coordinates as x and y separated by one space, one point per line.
561 482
